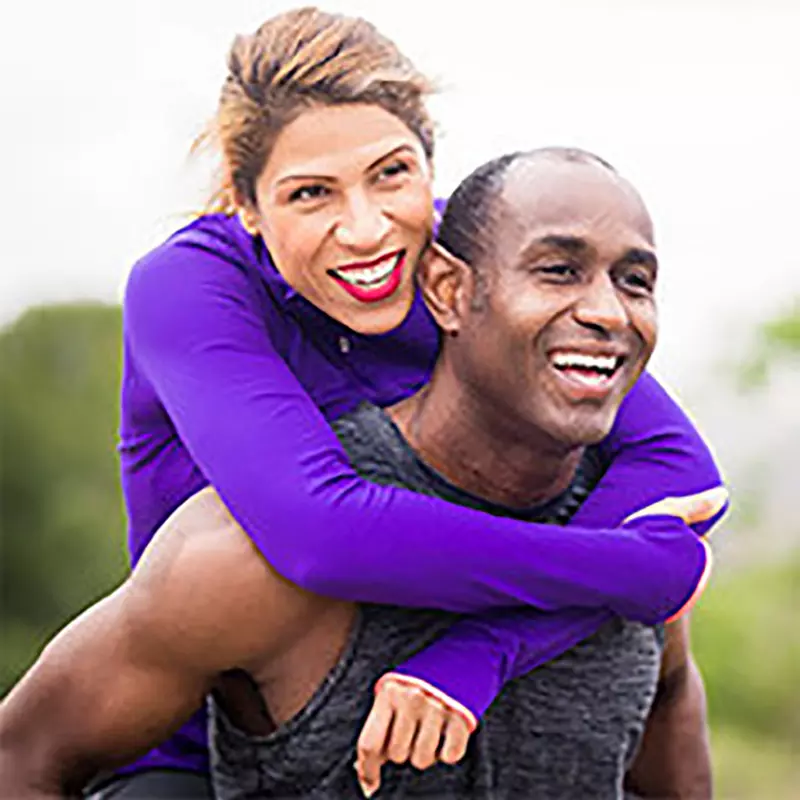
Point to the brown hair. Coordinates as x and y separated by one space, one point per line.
296 60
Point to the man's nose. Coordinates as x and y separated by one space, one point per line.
362 225
600 306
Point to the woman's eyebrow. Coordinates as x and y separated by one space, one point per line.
393 152
304 177
300 176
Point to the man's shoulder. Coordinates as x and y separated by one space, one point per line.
200 544
376 447
366 434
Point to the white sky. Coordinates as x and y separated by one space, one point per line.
697 102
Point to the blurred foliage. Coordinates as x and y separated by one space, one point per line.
62 542
61 520
746 639
776 340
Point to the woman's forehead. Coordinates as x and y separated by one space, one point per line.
331 140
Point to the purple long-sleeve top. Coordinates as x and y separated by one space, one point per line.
230 378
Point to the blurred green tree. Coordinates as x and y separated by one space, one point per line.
775 341
61 519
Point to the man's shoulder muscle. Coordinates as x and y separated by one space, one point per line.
196 594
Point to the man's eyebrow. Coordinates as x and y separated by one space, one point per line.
329 178
638 255
573 244
570 244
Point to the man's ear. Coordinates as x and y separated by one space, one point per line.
446 284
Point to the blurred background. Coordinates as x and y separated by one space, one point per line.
697 103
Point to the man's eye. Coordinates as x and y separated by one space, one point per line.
638 282
557 271
306 193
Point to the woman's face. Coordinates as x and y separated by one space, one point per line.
345 207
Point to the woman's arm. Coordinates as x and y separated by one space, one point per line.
472 661
662 475
261 441
657 458
447 686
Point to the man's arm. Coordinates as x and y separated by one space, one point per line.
129 671
674 759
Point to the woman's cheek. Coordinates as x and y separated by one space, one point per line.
414 209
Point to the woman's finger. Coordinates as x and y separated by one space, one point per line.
409 704
371 747
456 739
429 735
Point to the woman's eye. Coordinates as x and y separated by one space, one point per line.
306 193
393 170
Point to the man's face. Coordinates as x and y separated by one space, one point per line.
567 320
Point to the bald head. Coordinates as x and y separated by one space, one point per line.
490 195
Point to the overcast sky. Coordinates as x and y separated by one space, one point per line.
698 103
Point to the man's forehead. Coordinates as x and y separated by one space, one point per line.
545 194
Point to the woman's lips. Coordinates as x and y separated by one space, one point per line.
373 281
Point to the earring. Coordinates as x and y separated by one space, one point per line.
250 226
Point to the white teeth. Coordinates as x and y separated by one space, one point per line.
584 361
591 379
369 276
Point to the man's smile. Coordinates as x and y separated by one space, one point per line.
587 373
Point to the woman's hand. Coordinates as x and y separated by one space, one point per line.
413 722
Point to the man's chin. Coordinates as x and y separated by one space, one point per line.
585 430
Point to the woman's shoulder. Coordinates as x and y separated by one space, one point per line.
210 236
207 273
212 250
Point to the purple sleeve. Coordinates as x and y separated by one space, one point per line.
655 452
259 439
472 661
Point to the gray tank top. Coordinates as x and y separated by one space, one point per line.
565 731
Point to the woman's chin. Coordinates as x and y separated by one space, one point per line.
374 319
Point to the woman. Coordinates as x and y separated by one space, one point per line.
249 330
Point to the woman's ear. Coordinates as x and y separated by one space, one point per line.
247 212
249 222
446 284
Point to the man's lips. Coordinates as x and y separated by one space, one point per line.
589 372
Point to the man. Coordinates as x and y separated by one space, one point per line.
547 312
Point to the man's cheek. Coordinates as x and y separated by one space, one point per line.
645 324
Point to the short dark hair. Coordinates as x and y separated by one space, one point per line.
466 230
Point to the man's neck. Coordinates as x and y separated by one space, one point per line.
480 452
